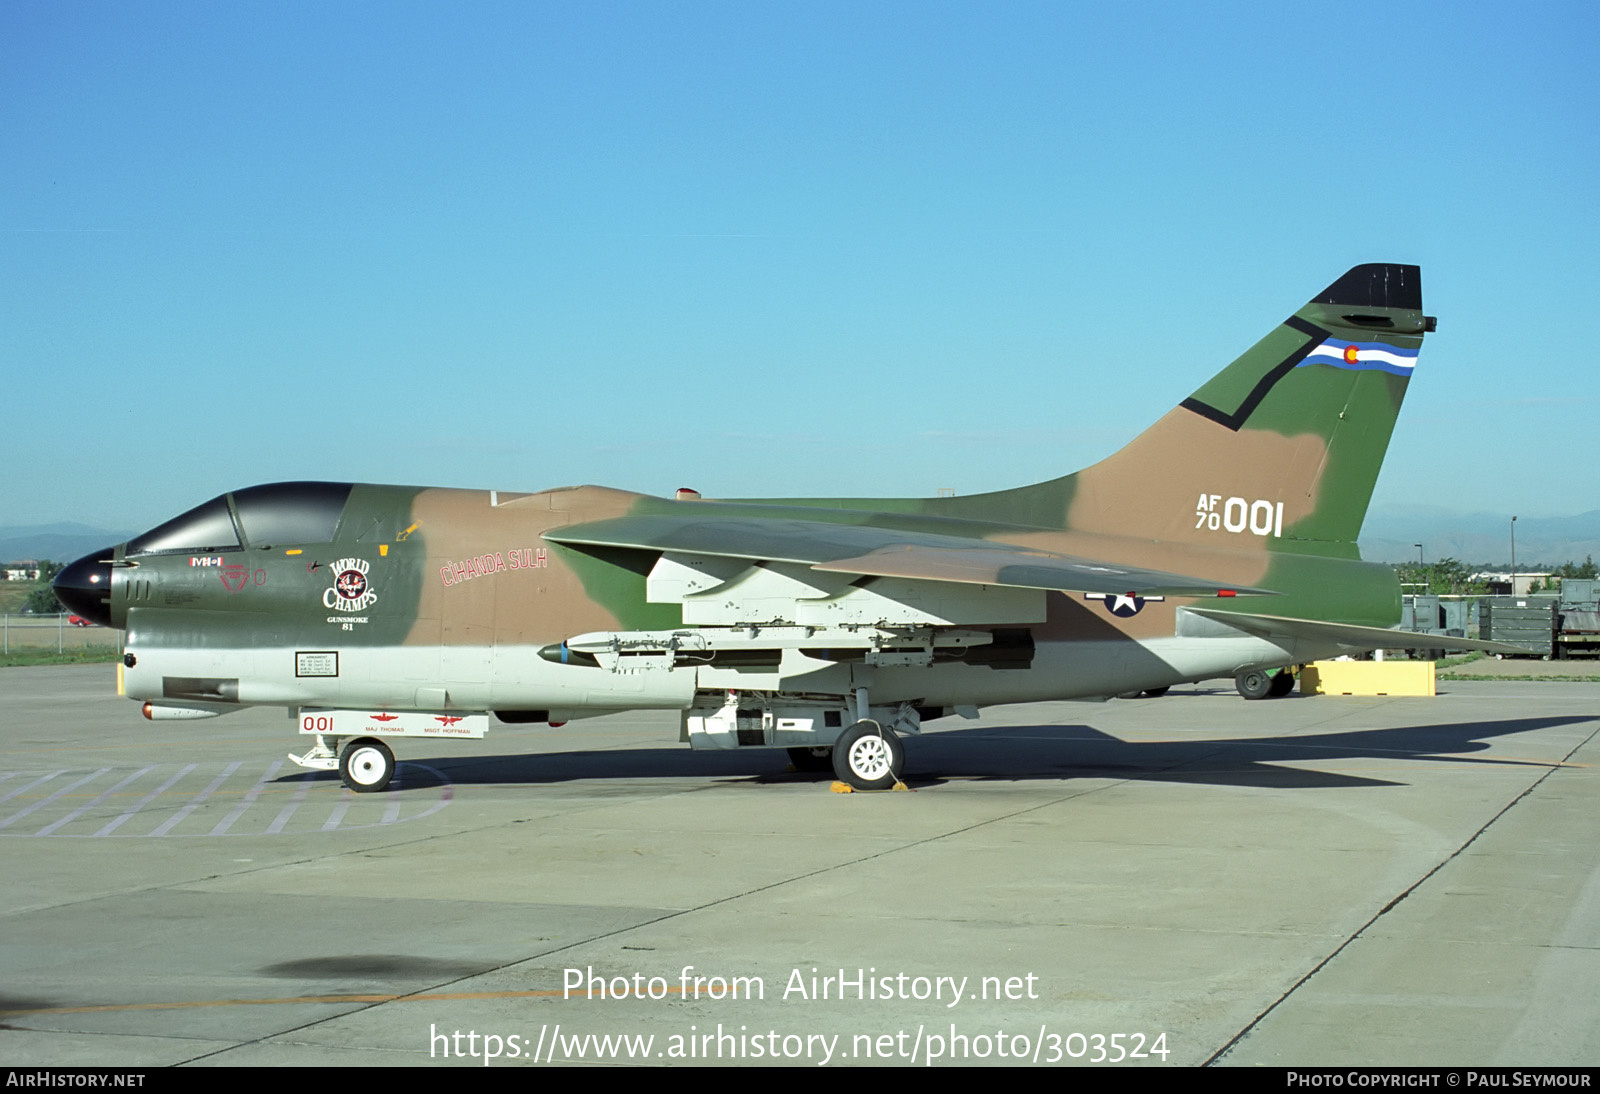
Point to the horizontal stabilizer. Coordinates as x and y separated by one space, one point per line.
1280 628
884 552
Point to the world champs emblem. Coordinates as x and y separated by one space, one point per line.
350 591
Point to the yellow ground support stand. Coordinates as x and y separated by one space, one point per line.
1367 678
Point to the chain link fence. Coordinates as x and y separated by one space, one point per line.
19 633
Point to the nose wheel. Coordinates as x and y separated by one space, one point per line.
366 765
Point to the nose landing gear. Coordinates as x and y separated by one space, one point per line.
366 765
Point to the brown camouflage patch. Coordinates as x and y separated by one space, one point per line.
1152 486
488 578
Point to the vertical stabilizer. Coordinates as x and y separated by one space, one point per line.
1283 444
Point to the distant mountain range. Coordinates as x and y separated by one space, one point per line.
57 542
1389 535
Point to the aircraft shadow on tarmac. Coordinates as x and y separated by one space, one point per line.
1026 752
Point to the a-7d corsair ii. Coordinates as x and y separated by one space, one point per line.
1221 542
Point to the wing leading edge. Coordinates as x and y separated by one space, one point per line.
885 552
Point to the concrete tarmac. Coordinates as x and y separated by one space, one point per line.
1196 878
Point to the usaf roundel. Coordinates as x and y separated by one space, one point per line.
1122 604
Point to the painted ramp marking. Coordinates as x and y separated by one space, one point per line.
234 799
146 800
84 808
293 805
198 800
249 799
41 803
18 791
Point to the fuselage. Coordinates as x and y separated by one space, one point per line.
415 598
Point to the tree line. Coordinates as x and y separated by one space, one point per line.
1450 575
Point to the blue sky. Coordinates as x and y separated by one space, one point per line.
766 249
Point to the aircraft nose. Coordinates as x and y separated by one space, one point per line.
84 588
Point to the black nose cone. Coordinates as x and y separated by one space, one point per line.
84 588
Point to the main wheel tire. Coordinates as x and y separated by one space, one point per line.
1154 693
1254 685
366 765
1282 684
868 757
811 759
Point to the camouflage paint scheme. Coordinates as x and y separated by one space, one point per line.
1242 504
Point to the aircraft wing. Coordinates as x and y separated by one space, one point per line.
884 552
1277 627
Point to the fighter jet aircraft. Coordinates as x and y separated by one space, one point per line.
1221 542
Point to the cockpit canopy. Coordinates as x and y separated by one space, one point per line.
258 516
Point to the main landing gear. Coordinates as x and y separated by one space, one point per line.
869 757
1264 683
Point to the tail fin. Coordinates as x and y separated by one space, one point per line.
1285 443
